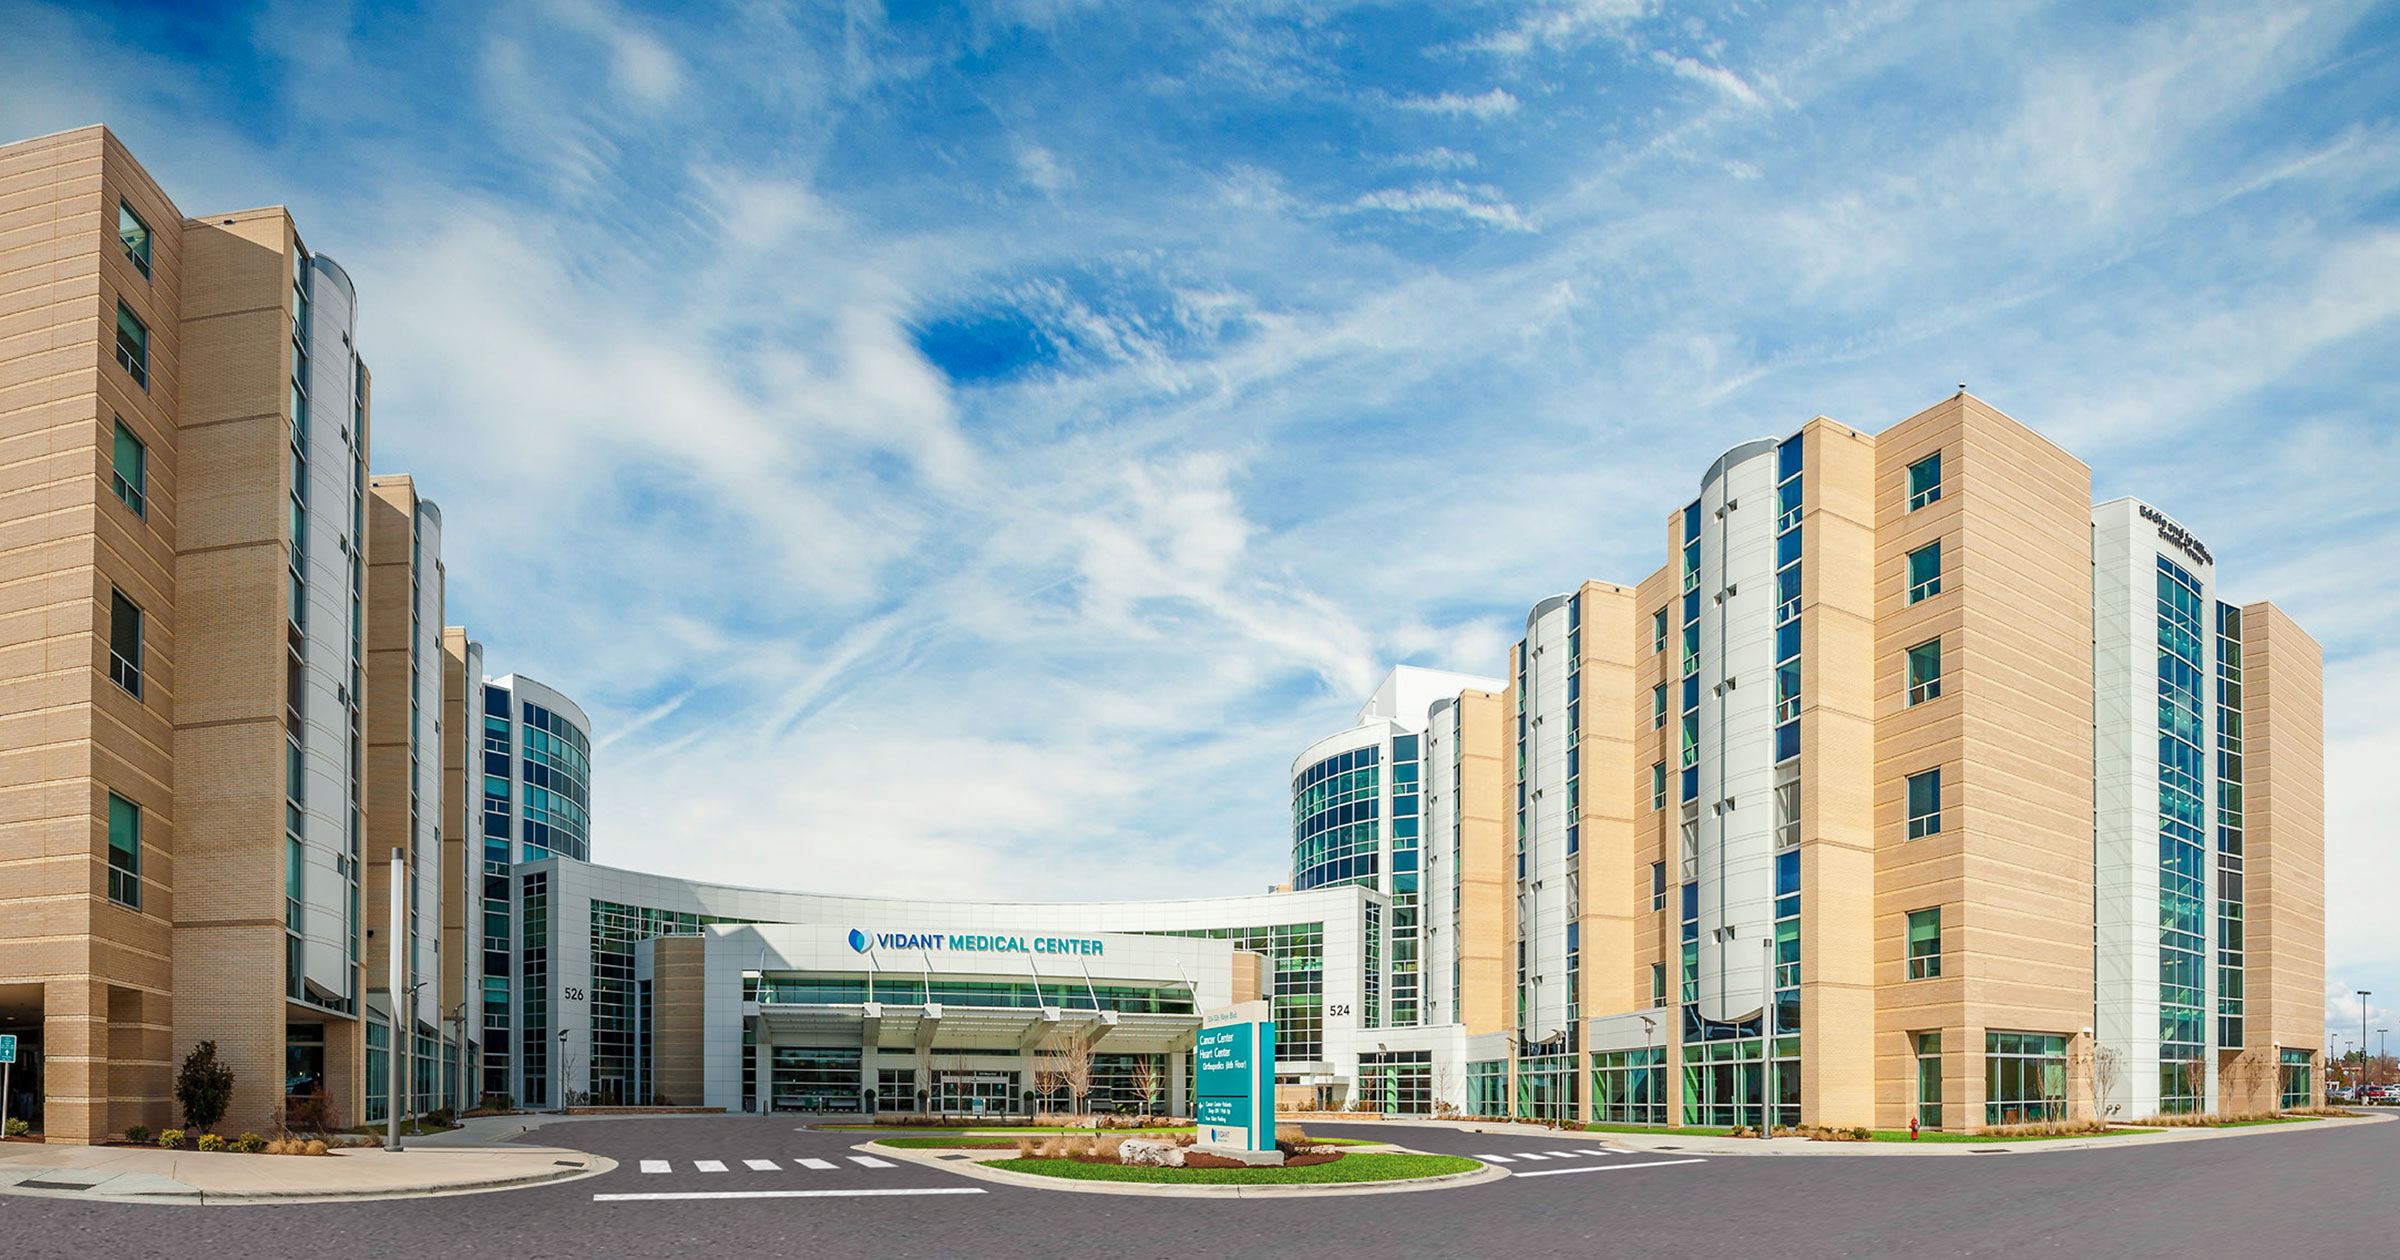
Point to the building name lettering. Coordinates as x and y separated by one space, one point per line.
2178 535
980 943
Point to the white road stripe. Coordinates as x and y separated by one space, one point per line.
1496 1159
656 1166
1533 1155
709 1165
762 1165
1584 1168
1593 1152
817 1164
782 1194
869 1161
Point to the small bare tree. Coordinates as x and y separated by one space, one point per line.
1148 1079
2108 1071
1050 1069
1076 1062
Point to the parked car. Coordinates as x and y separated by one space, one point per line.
2384 1094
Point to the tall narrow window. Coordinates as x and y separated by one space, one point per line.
1924 803
133 346
1658 706
124 642
1925 571
1925 944
1787 814
1925 481
1658 785
135 236
1658 984
1658 631
130 471
124 852
1658 885
1929 1080
1925 672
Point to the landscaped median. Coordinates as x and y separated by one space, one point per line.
1107 1164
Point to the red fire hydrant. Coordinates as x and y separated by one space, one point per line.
1912 1128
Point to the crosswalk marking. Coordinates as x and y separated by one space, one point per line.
869 1161
763 1165
1533 1154
656 1166
1584 1168
818 1165
1600 1153
709 1165
784 1194
1496 1159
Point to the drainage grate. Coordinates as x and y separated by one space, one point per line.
954 1157
56 1185
566 1163
1987 1150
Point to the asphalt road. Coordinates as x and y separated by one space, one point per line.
2298 1192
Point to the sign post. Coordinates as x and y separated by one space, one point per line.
1236 1078
8 1060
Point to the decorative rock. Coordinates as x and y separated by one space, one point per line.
1150 1153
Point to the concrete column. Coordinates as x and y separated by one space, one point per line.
1177 1104
868 1066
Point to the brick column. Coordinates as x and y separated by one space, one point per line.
75 1060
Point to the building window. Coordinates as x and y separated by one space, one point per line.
124 852
1929 1080
1925 481
2024 1077
124 642
1658 706
1658 785
1787 814
130 472
1658 885
134 235
133 346
1925 944
1925 672
1925 571
1658 631
2298 1089
1924 803
1658 984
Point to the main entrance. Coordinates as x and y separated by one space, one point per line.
975 1093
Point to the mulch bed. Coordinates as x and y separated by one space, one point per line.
1192 1159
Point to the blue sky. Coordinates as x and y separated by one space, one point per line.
970 450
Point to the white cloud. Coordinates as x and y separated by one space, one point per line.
1486 106
1718 77
1476 203
1558 26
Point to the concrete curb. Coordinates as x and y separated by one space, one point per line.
1802 1148
192 1196
975 1168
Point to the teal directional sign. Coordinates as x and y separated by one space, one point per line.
8 1047
1235 1072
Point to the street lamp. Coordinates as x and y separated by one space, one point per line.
561 1056
2363 995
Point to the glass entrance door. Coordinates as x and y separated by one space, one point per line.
976 1093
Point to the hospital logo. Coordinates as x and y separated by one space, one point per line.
858 941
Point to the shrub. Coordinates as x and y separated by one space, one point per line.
279 1147
314 1113
250 1144
204 1087
170 1139
17 1127
441 1118
138 1134
211 1142
314 1147
499 1102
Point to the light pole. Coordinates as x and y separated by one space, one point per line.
2363 995
395 956
562 1071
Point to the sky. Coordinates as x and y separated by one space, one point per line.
969 450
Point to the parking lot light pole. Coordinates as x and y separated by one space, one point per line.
2363 995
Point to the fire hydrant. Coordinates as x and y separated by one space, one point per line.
1912 1128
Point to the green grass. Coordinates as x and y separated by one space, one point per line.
1348 1169
1647 1128
985 1130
